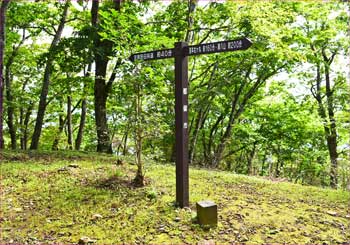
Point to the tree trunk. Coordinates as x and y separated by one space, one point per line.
21 125
56 141
62 122
250 160
79 138
332 137
10 108
69 123
9 97
25 124
102 51
125 147
80 134
4 5
202 114
329 123
262 171
192 4
139 178
46 81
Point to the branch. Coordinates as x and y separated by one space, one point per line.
312 89
241 148
205 71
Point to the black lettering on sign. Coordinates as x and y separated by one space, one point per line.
234 45
223 46
195 50
153 55
207 48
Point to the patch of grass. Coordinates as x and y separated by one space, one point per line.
60 198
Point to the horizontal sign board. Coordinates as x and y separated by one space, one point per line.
207 48
153 55
223 46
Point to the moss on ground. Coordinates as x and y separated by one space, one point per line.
61 198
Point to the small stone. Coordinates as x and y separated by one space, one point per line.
332 213
177 219
85 240
63 169
272 232
347 216
97 216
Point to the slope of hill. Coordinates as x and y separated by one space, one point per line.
89 199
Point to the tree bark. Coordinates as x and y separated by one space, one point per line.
56 141
9 97
193 140
3 8
332 137
10 107
102 51
62 122
192 4
69 123
79 138
46 81
139 178
250 160
24 125
326 112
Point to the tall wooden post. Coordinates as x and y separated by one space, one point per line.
181 53
181 124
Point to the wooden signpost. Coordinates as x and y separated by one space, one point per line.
181 53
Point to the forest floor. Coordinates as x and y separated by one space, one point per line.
67 198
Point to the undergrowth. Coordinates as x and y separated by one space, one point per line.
67 197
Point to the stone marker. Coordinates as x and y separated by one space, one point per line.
207 213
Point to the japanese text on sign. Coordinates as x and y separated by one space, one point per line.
216 47
153 55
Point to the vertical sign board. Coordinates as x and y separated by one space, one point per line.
181 53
